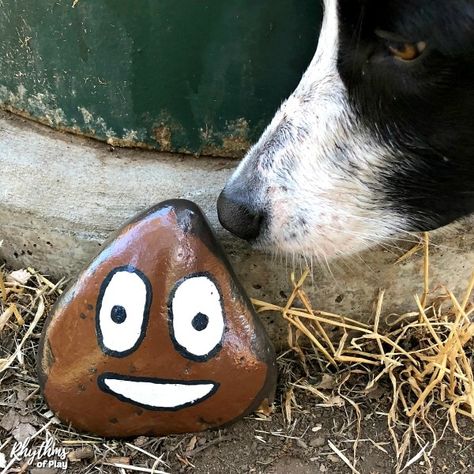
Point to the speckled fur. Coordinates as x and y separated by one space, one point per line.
351 159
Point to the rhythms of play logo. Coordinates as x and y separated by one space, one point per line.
44 455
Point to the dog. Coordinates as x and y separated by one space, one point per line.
376 141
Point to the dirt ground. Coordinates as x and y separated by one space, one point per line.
304 434
253 445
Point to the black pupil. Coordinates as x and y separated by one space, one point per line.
200 322
118 314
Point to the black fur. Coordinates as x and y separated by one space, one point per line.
424 108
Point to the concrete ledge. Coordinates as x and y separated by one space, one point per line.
61 196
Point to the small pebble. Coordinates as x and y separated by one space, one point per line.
301 444
317 442
140 441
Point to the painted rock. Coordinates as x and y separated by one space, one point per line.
156 336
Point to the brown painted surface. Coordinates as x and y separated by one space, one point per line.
167 245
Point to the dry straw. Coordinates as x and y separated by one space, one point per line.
425 355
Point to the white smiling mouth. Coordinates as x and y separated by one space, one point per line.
157 394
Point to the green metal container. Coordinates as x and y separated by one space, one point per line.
192 76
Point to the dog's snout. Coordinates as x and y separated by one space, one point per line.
238 216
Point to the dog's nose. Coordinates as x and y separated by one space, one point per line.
238 217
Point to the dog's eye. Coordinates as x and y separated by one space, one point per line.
407 51
400 48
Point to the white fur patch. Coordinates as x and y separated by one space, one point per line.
317 168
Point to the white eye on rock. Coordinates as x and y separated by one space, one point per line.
196 317
122 311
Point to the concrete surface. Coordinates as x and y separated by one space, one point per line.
61 196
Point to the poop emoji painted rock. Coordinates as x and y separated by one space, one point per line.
156 336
